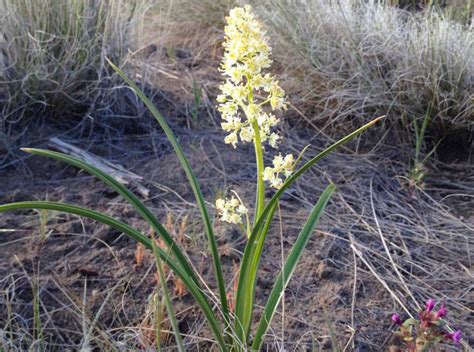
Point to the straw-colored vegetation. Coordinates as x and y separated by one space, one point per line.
343 60
52 56
360 60
355 59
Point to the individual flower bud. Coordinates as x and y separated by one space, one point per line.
441 313
231 139
231 210
220 203
273 140
396 319
430 305
281 165
455 336
242 210
247 134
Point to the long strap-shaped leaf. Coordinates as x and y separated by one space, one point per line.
130 197
194 185
289 266
182 273
240 331
250 261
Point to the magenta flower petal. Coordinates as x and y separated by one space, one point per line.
430 305
455 336
396 319
442 312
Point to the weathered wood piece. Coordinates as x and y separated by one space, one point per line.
118 172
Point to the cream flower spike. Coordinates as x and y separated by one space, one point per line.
247 55
231 210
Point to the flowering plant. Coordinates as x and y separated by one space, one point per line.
427 331
247 102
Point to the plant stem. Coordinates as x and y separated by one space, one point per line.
260 166
260 198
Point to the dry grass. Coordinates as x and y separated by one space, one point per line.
352 60
52 57
414 243
460 10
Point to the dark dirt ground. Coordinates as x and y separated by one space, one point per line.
87 276
82 263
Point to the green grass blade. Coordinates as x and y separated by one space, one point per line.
289 266
38 328
194 185
129 196
250 262
181 272
166 295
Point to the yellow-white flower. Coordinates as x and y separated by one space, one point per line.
281 165
231 210
247 54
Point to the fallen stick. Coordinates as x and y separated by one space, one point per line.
118 172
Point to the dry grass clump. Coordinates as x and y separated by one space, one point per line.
52 55
196 13
414 243
460 10
357 59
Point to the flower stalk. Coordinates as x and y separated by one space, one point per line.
260 201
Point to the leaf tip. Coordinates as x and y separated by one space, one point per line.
115 67
377 119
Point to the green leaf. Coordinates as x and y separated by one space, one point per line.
290 265
130 197
410 322
182 273
251 257
194 185
246 287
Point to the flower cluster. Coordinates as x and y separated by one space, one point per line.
426 331
247 54
231 210
248 90
281 165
